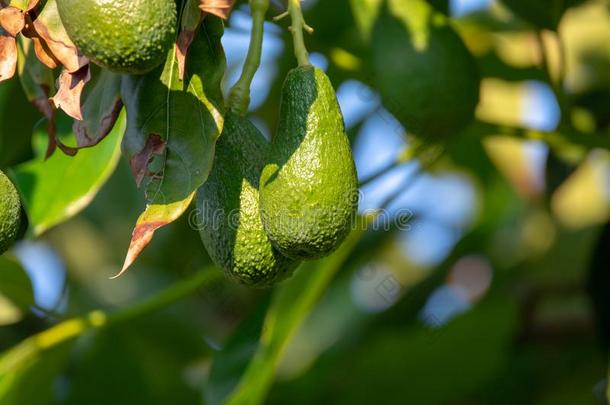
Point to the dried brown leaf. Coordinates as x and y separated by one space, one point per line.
8 56
153 218
59 48
12 20
70 89
219 8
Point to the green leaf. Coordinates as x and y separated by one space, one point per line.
291 303
37 79
181 119
21 369
16 294
231 362
172 129
56 189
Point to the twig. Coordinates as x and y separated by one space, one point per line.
239 99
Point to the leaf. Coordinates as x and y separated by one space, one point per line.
219 8
154 217
71 86
101 105
232 360
291 304
191 18
16 294
12 20
55 42
183 116
29 365
38 83
57 189
8 56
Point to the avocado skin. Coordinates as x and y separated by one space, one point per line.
426 76
228 205
10 213
125 36
309 188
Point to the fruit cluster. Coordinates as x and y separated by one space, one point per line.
266 206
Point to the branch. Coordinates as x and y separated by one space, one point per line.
65 331
239 99
296 29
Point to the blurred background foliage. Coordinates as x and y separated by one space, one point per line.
494 290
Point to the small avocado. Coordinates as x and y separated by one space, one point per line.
309 187
10 213
125 36
228 207
425 75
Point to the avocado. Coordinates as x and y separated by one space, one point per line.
425 75
10 213
542 13
228 207
125 36
309 187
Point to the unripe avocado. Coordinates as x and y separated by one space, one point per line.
10 213
125 36
228 205
309 188
426 76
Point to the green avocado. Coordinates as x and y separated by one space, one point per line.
125 36
542 13
228 205
10 213
309 187
426 76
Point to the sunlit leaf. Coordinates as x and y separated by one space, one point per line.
58 188
173 124
191 18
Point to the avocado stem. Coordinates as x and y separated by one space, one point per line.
239 98
296 29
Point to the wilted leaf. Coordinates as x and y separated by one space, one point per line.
57 189
183 116
8 56
219 8
16 294
71 86
38 83
54 39
101 105
156 216
12 20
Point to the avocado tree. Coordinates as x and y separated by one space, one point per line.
346 201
